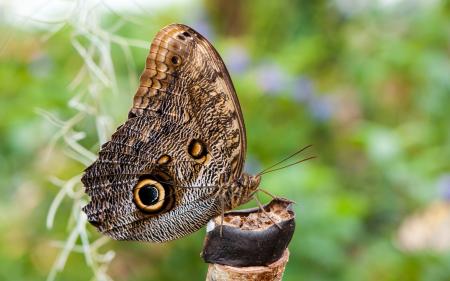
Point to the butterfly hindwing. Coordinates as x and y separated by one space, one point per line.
129 157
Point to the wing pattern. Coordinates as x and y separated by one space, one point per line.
185 105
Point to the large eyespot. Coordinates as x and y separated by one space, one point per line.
197 149
149 195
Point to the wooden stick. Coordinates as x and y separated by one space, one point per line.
271 272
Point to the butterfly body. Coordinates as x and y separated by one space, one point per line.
240 191
178 159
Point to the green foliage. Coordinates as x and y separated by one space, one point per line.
366 85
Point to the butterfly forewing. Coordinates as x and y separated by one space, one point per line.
196 90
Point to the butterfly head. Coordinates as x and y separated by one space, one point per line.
249 184
253 181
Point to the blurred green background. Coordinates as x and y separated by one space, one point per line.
366 82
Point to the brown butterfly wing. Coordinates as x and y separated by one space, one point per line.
185 101
185 78
133 153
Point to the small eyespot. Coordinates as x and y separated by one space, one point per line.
164 159
181 37
176 60
186 34
197 149
149 195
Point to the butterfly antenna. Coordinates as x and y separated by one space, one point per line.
292 164
266 170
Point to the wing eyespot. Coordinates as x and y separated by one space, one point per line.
197 149
164 159
176 60
153 194
149 195
186 34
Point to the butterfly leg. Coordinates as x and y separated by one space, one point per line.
264 211
268 193
264 191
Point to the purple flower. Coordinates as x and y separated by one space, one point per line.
303 90
321 108
443 185
271 78
237 59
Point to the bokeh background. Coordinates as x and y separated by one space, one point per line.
366 82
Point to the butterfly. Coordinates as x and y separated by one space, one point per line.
178 159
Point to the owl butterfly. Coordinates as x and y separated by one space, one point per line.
178 159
